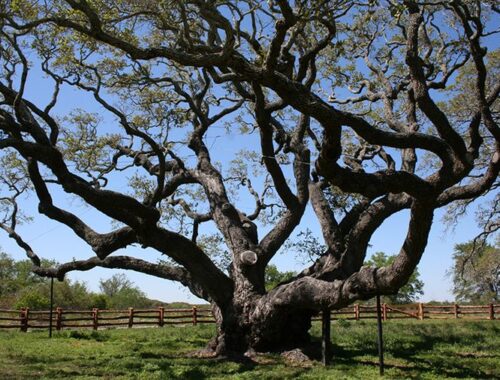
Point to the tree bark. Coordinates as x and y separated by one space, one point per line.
259 327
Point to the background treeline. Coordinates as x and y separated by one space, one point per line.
475 275
19 287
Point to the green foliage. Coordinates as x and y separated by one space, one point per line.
33 298
67 294
7 276
71 294
17 280
121 293
409 292
20 287
476 272
414 350
274 277
306 246
115 284
129 297
99 301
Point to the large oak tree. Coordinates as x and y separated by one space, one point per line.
352 106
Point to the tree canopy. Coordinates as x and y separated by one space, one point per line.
351 108
476 272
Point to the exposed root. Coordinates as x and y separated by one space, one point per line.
204 353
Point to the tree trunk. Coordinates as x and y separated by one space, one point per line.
262 328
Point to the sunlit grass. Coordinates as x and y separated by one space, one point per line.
414 349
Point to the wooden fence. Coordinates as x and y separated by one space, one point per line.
25 318
418 311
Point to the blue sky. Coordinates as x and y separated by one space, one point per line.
54 241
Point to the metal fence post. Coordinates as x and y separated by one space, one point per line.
51 305
380 338
325 336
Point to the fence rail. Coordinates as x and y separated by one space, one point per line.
25 318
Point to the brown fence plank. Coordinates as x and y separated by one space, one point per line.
9 319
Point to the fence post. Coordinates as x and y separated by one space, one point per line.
161 315
195 315
456 310
21 317
421 311
356 312
24 319
492 312
58 318
384 311
130 317
95 318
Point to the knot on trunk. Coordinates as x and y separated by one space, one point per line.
248 257
226 208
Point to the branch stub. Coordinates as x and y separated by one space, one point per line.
248 257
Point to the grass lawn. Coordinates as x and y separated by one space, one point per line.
414 350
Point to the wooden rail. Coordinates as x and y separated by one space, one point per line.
25 318
418 311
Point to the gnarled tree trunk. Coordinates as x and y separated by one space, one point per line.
260 327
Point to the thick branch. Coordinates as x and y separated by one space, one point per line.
165 271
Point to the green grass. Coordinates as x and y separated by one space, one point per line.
414 350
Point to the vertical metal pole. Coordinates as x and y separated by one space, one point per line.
380 339
51 305
325 336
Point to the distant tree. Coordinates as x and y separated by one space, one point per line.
122 293
15 275
17 280
67 294
7 278
71 294
20 287
99 301
274 277
406 294
476 272
115 284
34 298
128 297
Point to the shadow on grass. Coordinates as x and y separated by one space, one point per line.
183 367
414 353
